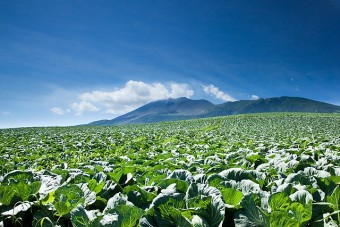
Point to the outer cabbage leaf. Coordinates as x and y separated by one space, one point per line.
279 201
7 192
198 221
213 206
49 183
90 196
281 218
181 174
148 219
117 199
17 176
94 186
167 210
215 180
239 174
63 208
10 194
246 186
334 200
80 217
20 207
181 185
128 216
200 178
252 214
231 197
67 198
301 196
138 196
301 178
302 213
109 190
44 218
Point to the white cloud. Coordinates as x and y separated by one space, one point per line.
83 106
254 97
57 110
133 95
5 113
212 90
180 90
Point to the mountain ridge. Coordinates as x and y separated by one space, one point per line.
185 108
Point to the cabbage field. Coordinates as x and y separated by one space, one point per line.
246 170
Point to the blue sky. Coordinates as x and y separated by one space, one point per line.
68 62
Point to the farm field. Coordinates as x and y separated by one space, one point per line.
248 170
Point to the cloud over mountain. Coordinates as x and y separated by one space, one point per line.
132 95
215 91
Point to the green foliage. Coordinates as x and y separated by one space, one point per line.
253 212
67 198
248 170
334 201
138 196
279 201
128 216
18 186
167 210
231 197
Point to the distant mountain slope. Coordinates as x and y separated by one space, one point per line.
163 110
184 108
280 104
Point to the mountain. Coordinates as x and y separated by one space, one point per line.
184 108
280 104
163 110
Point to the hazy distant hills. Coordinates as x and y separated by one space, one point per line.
184 108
